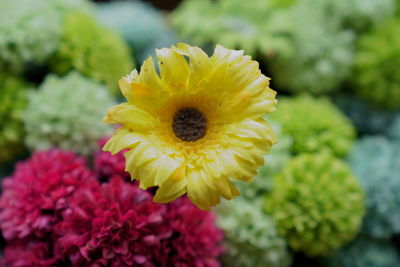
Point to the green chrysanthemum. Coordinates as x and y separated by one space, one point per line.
143 27
364 252
251 237
315 125
376 75
316 203
367 118
92 50
30 30
275 161
66 113
256 26
12 102
375 161
322 51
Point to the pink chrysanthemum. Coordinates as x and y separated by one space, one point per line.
27 253
107 165
118 225
196 238
38 190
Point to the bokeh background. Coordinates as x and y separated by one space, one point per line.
329 193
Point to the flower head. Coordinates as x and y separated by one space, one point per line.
27 253
58 116
317 203
38 190
195 126
117 224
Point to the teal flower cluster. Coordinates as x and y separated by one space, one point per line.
251 237
256 26
315 125
367 118
143 27
93 50
30 30
375 161
317 203
66 113
376 73
12 102
394 129
364 252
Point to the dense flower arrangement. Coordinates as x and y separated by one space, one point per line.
366 118
375 161
66 112
376 49
27 37
315 125
251 237
256 26
196 126
54 212
38 191
93 50
142 26
322 55
317 203
12 102
366 252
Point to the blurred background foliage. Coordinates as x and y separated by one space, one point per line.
328 194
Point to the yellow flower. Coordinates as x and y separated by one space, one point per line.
195 127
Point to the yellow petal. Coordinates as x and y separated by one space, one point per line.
170 190
131 116
199 61
199 193
122 139
224 186
174 70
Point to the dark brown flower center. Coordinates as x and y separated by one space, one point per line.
189 124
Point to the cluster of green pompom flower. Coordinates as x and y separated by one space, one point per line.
105 60
309 206
365 252
315 125
375 161
12 103
30 32
66 113
377 65
138 23
251 237
258 27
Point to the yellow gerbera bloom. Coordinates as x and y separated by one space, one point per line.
195 127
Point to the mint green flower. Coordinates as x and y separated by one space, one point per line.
67 113
256 26
251 237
